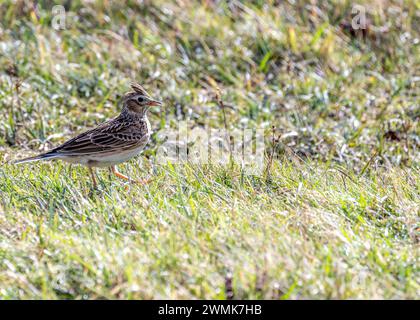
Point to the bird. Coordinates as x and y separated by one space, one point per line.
112 142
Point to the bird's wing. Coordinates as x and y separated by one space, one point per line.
111 136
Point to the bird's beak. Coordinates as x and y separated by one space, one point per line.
155 103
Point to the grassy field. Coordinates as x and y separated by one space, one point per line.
335 213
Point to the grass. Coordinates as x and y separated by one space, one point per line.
335 216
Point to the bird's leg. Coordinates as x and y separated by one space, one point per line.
118 174
92 174
122 176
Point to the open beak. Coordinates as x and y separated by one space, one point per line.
155 103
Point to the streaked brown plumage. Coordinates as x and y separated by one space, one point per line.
112 142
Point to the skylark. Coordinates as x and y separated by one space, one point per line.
113 141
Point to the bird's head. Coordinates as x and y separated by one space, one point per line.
138 101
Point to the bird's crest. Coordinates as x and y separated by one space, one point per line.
139 89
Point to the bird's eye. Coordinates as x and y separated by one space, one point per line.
140 99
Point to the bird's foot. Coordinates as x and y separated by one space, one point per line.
124 177
142 182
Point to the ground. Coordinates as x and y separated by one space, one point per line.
335 212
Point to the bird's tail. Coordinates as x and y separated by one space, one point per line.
44 156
